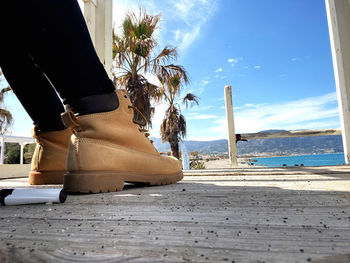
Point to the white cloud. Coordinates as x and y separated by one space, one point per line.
201 117
152 79
204 82
218 70
183 18
193 14
246 67
184 8
310 113
294 59
195 110
177 34
257 67
158 117
234 60
189 37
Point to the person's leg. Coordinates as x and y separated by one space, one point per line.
60 43
26 79
33 90
44 107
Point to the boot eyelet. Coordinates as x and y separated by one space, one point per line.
125 96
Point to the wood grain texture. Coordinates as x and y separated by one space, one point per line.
283 216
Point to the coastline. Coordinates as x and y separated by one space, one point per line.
244 162
285 155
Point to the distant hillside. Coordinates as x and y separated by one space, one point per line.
282 146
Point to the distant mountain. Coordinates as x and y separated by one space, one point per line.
272 131
280 146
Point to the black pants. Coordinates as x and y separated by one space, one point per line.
45 49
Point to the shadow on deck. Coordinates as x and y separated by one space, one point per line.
247 215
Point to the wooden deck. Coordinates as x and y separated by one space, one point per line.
242 215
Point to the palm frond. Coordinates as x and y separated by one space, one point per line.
167 54
178 69
154 91
182 126
3 91
190 98
6 120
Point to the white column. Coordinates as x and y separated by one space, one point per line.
231 127
21 155
338 15
90 17
2 138
98 16
104 33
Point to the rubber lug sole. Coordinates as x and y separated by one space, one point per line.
111 181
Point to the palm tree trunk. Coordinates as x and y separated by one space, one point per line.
175 150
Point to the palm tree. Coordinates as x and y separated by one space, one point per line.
173 127
133 56
5 116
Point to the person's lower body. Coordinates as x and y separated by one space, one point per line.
46 49
51 64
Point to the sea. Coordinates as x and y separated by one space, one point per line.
301 160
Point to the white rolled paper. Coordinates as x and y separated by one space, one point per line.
22 196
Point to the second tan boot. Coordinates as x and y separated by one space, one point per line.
49 159
108 149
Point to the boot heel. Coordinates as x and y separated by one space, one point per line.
46 177
92 182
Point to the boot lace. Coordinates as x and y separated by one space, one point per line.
143 124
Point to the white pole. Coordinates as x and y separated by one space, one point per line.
2 149
338 15
21 155
231 127
185 161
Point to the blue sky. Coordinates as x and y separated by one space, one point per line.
275 54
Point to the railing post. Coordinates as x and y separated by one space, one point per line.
21 154
338 15
2 154
231 127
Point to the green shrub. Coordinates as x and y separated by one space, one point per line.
196 165
28 152
13 153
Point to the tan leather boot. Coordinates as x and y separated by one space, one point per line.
108 149
49 159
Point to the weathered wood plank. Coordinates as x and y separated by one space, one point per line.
223 218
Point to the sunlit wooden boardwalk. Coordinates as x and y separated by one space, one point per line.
242 215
